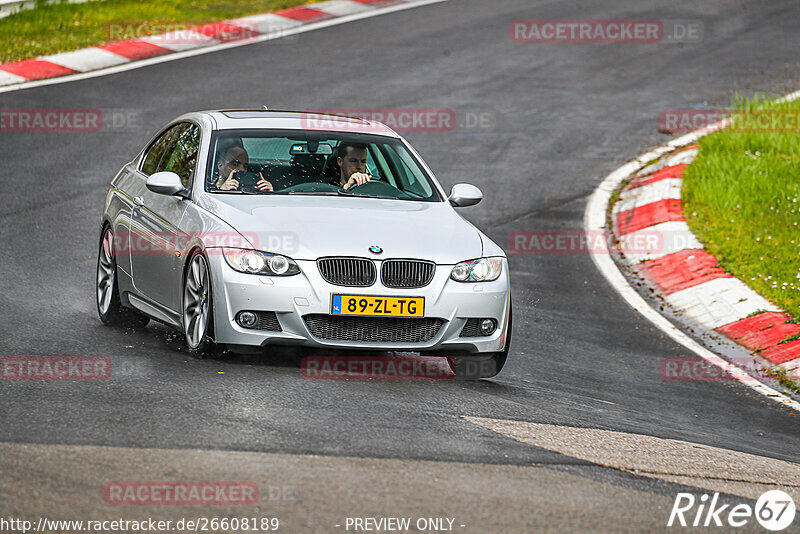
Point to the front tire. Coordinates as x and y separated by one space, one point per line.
198 317
109 306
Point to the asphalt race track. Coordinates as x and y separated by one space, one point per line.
557 118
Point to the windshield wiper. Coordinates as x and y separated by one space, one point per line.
326 193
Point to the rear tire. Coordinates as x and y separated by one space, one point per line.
109 306
484 365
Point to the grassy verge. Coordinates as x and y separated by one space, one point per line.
741 197
49 29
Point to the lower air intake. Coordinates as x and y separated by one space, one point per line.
373 329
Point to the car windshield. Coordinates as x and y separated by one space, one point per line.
305 162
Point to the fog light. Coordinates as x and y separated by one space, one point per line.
246 319
487 326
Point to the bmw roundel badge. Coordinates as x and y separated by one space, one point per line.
375 249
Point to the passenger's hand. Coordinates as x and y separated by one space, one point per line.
357 178
231 183
263 185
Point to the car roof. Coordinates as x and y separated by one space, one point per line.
230 119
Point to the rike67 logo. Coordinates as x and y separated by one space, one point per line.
774 510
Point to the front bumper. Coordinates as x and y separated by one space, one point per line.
293 297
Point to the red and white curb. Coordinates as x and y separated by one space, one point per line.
243 30
689 278
648 210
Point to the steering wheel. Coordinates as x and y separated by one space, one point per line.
376 187
311 187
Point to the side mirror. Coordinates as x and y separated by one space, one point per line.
463 195
166 183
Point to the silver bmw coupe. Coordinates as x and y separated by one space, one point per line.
244 229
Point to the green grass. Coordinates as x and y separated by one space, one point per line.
63 27
789 338
741 197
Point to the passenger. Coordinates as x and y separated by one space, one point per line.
235 159
352 160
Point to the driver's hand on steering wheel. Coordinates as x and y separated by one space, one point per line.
357 178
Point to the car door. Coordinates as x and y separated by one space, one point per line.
157 264
134 241
125 186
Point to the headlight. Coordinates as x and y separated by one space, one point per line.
480 270
256 262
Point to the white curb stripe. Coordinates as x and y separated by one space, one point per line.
718 302
86 59
647 194
188 40
267 24
792 366
595 221
673 236
6 78
685 157
341 7
650 169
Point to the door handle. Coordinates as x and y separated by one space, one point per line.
138 202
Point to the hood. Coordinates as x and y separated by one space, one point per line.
310 227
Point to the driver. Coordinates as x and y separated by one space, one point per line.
352 159
233 160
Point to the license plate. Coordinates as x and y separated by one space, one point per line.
384 306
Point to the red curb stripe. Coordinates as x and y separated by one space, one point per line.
675 171
665 210
764 330
304 14
743 327
782 353
135 49
226 31
683 269
36 69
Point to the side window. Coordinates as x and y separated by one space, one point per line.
181 157
155 154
